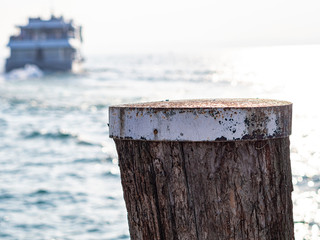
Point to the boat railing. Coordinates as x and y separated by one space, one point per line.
42 37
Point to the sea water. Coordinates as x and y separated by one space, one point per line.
59 175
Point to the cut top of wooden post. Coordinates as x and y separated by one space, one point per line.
202 120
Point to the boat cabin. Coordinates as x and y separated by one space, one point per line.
53 45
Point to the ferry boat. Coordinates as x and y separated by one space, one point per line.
51 45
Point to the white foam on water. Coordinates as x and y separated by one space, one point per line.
28 72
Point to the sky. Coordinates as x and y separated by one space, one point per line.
125 26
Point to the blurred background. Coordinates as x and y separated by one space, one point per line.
59 176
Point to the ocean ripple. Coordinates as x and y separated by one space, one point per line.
60 134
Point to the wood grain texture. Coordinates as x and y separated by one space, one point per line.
207 190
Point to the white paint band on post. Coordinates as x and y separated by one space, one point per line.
202 120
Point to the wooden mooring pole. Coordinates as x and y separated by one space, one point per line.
205 169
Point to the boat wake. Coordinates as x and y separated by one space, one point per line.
29 71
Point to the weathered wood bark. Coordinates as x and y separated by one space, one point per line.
207 190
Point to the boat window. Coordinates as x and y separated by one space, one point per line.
39 56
